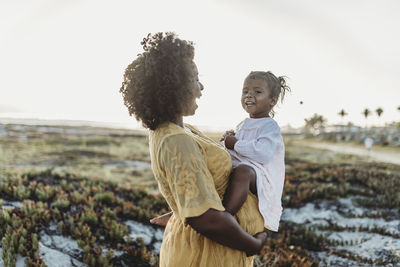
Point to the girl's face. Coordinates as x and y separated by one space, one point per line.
256 98
196 88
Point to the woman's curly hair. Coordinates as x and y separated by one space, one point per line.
156 86
277 85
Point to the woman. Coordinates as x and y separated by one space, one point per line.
160 87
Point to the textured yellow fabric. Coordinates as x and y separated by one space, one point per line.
192 172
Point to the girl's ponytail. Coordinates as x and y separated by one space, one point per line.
283 87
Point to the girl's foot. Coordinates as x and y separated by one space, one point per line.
161 220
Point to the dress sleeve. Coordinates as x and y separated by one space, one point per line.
262 148
190 182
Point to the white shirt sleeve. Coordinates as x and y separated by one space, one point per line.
262 148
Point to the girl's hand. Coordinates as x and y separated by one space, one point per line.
161 220
230 141
227 133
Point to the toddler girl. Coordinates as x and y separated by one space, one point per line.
257 149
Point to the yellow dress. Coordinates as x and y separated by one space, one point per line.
192 172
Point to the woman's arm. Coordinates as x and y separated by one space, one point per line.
221 227
193 191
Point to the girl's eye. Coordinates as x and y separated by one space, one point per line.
258 92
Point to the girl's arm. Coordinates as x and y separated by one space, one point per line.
221 227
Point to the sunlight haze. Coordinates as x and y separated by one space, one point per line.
65 59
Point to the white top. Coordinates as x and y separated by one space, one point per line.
260 145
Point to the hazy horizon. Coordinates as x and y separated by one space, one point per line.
136 125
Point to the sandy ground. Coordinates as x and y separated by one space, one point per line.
377 153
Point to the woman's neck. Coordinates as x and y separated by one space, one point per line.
178 121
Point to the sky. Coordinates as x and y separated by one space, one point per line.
65 60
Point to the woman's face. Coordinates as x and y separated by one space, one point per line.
196 87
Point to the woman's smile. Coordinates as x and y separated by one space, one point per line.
197 88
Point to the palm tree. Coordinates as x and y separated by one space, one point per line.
366 113
398 124
379 112
343 113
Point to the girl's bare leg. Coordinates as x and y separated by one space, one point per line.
242 179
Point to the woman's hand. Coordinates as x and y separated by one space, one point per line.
261 238
222 227
161 220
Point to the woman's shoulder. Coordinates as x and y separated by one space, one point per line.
167 139
192 128
170 134
200 137
165 130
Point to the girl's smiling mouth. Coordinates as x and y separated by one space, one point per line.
249 103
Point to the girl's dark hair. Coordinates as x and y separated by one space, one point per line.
156 86
277 85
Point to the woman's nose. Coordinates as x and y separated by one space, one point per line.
201 86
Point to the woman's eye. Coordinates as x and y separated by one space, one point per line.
258 92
